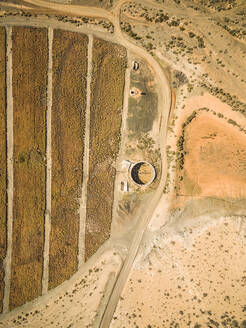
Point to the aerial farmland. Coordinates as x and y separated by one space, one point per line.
122 167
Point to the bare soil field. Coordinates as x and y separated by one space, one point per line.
143 105
68 125
108 77
3 158
143 118
214 160
29 96
95 3
188 274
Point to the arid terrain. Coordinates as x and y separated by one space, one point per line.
123 163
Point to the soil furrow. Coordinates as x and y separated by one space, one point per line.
3 161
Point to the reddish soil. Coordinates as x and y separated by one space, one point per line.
68 125
30 56
214 164
3 158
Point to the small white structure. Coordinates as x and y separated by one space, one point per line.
124 186
135 65
126 164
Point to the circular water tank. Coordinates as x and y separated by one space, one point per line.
143 173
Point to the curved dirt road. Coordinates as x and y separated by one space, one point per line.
144 214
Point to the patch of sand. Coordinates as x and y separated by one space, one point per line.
79 302
215 163
194 277
213 103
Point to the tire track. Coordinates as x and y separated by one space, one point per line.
122 144
47 228
83 199
10 172
145 213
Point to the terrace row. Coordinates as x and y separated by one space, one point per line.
45 119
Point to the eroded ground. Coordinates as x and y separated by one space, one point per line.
192 275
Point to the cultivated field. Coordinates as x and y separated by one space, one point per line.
68 128
29 96
3 164
65 98
109 63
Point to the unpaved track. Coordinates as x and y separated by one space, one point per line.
145 213
72 9
45 277
10 171
83 200
14 5
122 142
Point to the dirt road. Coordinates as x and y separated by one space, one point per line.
145 213
72 9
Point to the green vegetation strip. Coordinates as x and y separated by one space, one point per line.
29 98
108 77
68 125
3 159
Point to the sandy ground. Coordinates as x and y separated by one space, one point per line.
76 303
189 275
215 160
214 146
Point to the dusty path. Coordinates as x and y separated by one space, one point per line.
83 200
10 171
144 214
72 9
14 5
122 144
48 170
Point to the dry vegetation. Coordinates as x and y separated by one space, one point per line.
109 63
193 276
3 166
218 5
206 43
79 303
29 94
68 124
101 24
